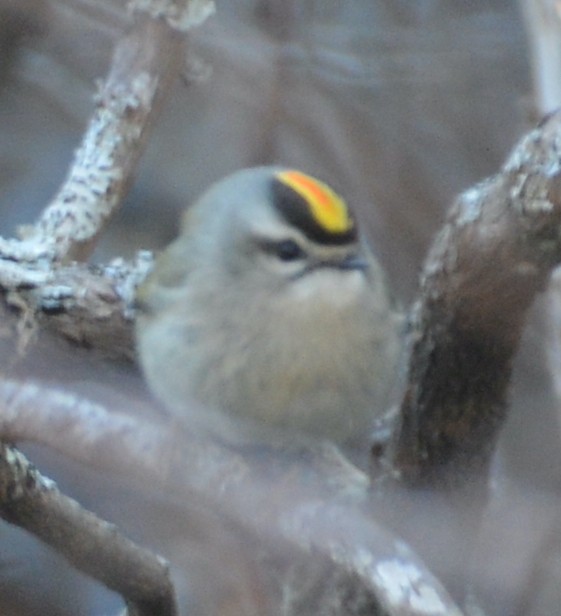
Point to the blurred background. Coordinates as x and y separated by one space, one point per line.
399 105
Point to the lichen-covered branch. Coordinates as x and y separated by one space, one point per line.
93 546
143 65
93 306
496 251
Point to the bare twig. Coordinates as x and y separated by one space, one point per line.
93 546
495 253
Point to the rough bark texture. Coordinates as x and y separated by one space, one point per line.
495 253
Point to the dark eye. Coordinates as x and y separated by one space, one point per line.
288 250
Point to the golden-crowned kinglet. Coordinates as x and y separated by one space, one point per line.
270 307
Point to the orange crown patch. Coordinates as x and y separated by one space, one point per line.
326 207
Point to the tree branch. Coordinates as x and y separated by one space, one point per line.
144 65
82 301
317 506
93 306
496 251
93 546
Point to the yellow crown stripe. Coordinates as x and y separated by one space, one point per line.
326 207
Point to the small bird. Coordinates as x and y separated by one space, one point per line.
270 308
